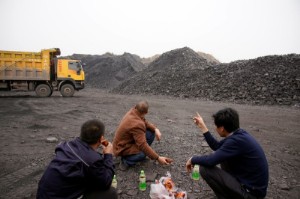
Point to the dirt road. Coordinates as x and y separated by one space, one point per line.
27 121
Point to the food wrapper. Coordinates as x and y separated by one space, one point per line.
165 189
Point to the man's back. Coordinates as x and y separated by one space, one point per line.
244 159
250 166
130 135
68 174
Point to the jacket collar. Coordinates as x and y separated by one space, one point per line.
137 113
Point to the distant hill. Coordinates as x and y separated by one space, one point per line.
210 59
147 61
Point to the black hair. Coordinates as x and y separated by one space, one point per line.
228 118
91 131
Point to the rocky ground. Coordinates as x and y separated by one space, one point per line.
265 91
31 127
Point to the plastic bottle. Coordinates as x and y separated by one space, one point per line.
142 183
195 173
114 182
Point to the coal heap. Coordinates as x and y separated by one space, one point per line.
108 70
269 80
163 74
179 59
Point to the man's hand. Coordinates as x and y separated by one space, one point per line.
164 160
108 149
157 134
188 165
198 120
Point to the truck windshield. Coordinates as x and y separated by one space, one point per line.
75 65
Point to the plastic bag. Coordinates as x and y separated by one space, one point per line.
158 191
165 189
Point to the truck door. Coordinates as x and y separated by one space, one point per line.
75 70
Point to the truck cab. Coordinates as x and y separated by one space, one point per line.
69 72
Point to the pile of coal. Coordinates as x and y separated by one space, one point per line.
269 80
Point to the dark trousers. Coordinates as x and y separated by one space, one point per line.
108 194
223 184
131 160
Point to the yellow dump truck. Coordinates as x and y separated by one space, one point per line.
41 72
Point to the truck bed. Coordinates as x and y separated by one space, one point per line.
16 65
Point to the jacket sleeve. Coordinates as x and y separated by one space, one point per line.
150 126
140 140
212 142
101 172
229 149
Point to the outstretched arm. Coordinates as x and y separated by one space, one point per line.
164 160
211 141
198 120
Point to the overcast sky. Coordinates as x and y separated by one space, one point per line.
228 29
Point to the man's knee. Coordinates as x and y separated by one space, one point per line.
206 172
113 193
203 171
150 135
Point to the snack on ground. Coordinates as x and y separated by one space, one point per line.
171 188
179 194
169 184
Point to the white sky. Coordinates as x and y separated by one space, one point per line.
228 29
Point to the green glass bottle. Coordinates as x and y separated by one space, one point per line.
195 173
142 183
114 182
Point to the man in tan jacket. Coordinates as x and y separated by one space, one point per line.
134 136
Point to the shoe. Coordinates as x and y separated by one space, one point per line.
123 166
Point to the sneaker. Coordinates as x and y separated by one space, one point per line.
123 166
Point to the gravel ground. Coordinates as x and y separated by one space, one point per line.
27 121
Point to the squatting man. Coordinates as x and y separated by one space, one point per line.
244 168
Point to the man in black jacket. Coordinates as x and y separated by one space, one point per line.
244 168
78 169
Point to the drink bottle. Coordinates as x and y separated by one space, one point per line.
195 173
142 183
114 182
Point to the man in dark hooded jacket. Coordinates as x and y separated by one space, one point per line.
78 170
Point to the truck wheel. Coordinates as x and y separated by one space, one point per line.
67 90
43 90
